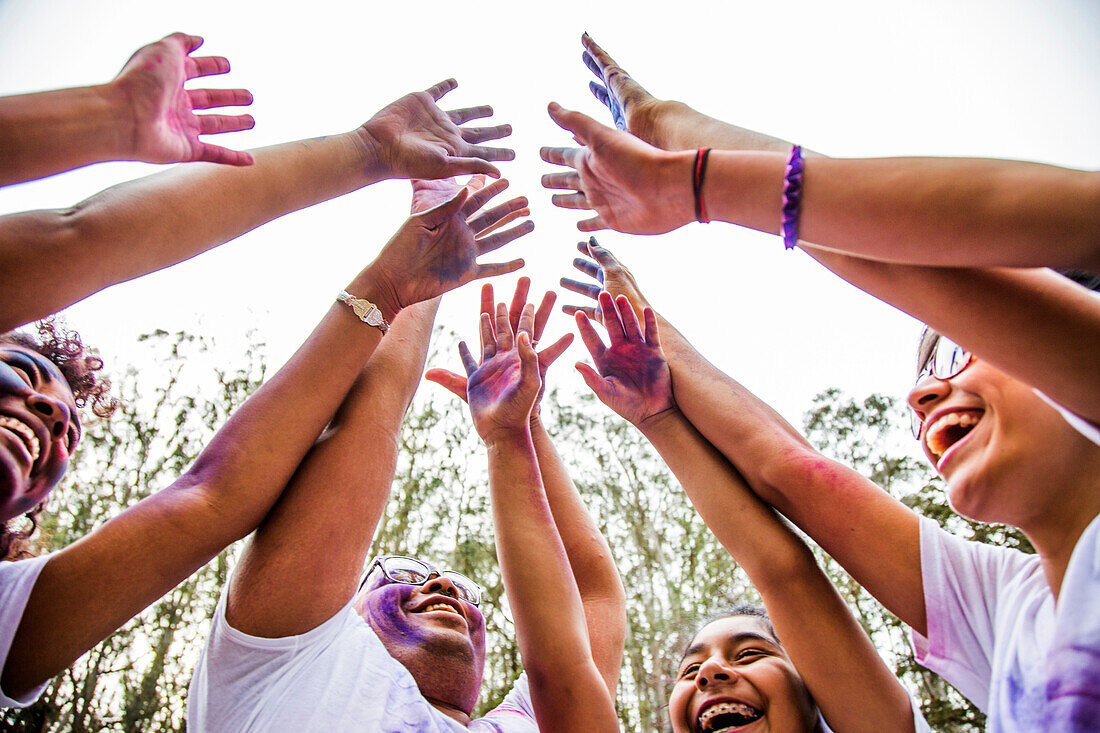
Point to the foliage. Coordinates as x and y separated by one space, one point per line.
675 572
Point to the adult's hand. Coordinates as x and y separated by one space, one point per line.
520 320
502 388
633 377
632 186
414 138
437 249
608 273
165 126
632 107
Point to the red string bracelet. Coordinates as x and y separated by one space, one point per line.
698 172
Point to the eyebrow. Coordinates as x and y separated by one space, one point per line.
735 640
23 359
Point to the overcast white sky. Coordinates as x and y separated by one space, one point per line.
1003 78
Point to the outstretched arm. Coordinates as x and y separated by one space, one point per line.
952 212
590 558
874 536
143 114
1055 327
843 672
333 504
52 259
105 578
567 690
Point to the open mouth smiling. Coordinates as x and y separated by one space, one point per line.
24 433
440 604
726 715
947 429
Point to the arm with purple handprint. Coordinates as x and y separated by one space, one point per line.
51 259
1032 324
590 558
847 679
143 114
568 691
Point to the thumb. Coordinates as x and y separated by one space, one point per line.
434 217
551 353
581 125
593 379
528 359
449 380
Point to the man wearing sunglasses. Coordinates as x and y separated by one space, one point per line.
295 646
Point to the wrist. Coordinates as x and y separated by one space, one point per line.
375 285
508 438
663 123
369 152
677 171
107 115
659 421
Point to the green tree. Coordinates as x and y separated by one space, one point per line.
675 573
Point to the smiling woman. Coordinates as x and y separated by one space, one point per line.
735 673
43 382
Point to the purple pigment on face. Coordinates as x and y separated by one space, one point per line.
446 661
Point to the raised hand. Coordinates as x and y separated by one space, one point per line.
437 248
633 377
502 389
520 320
610 274
632 186
632 108
165 126
414 138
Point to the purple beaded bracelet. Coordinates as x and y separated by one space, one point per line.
792 197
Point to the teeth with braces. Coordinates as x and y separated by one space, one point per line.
935 435
724 708
24 432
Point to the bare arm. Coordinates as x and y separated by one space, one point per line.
874 536
567 690
302 564
597 577
52 259
93 586
590 558
953 212
143 114
110 575
842 670
1055 326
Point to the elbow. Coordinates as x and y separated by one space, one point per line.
791 474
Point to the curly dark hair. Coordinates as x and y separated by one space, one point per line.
80 366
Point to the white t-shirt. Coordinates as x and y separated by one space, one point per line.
336 677
994 632
920 725
16 583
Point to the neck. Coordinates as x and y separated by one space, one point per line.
449 710
1056 540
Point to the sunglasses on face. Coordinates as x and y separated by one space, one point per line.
410 571
947 360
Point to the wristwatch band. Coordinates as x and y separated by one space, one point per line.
365 311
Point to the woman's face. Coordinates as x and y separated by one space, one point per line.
38 428
736 677
1000 447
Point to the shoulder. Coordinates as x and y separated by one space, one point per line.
515 714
